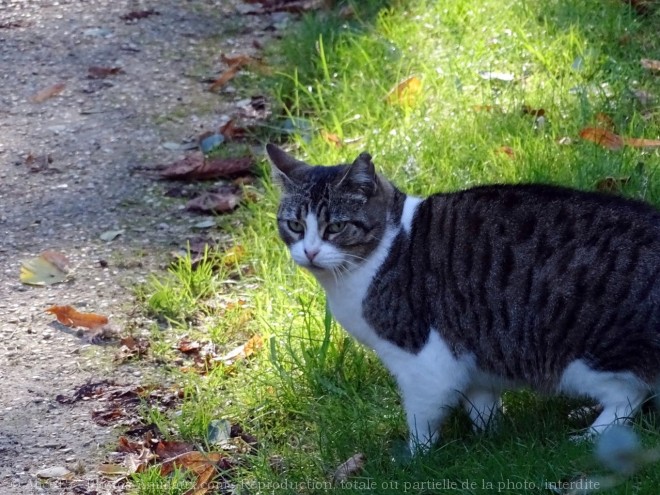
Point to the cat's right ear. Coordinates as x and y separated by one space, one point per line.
283 165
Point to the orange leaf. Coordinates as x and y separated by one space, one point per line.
240 59
68 316
603 137
506 150
642 143
609 140
652 65
405 92
242 351
194 461
331 138
226 76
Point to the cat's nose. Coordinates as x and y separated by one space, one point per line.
311 253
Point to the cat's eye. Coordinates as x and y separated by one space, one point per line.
335 227
295 226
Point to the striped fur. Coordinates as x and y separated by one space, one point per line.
467 293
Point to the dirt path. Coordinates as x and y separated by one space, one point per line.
70 169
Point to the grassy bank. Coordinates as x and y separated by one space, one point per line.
496 92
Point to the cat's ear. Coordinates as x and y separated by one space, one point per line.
361 174
284 166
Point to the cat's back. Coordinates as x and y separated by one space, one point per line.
528 278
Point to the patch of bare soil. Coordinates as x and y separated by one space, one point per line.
90 93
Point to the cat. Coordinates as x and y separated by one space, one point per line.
465 294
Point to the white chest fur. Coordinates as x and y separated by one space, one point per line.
345 294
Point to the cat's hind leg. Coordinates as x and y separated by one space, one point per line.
620 393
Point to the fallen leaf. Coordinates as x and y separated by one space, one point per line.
68 316
111 235
49 92
607 139
138 14
233 255
497 76
96 72
652 65
166 450
215 202
49 268
603 137
107 417
196 167
225 77
130 347
506 150
642 143
242 351
194 461
231 131
612 184
113 470
352 467
240 59
210 141
405 92
129 446
58 472
331 138
189 346
38 163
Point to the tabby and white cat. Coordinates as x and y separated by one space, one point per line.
465 294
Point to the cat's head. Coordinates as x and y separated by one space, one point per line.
331 218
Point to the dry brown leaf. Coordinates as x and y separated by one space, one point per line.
405 92
96 72
607 139
612 184
506 150
194 461
215 202
226 76
189 346
196 167
231 131
68 316
49 92
352 467
331 138
642 143
240 59
242 351
603 137
169 450
129 446
652 65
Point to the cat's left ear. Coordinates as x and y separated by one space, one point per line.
284 166
361 175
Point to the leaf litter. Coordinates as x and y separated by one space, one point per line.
609 140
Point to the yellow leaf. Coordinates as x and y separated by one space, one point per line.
406 92
50 267
233 255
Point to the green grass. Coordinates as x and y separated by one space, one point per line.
312 396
